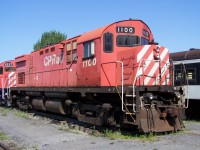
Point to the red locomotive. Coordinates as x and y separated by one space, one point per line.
7 80
114 75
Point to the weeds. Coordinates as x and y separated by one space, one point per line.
35 147
3 136
63 128
127 135
191 121
24 115
5 113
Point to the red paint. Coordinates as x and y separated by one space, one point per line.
48 67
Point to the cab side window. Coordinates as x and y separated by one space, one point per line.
74 51
108 42
68 45
89 49
1 70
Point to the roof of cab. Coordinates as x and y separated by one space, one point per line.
94 34
91 35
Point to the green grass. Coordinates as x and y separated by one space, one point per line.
63 128
23 114
191 121
127 135
3 136
5 111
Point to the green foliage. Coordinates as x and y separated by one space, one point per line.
49 38
24 114
127 135
3 136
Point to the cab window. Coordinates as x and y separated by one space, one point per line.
89 49
127 40
9 69
144 41
108 42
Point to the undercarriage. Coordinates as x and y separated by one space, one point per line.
149 108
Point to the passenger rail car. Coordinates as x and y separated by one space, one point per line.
7 80
114 75
186 76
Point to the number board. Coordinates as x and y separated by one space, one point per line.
8 64
121 29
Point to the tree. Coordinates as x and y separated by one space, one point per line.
49 38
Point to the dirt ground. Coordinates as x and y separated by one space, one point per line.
40 134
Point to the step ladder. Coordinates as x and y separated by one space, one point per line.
129 104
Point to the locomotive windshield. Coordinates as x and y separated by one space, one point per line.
9 69
127 40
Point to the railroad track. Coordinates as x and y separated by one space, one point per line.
70 123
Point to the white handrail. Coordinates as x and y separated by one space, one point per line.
187 103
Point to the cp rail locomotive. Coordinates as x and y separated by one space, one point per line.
186 73
115 75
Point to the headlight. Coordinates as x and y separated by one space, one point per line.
149 96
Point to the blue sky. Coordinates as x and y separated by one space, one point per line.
174 23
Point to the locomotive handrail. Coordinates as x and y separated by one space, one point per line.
122 78
187 103
122 83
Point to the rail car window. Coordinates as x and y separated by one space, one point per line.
41 52
144 41
74 45
61 56
68 56
191 74
74 55
108 42
9 69
47 50
68 46
52 49
127 40
89 49
182 77
178 75
1 70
